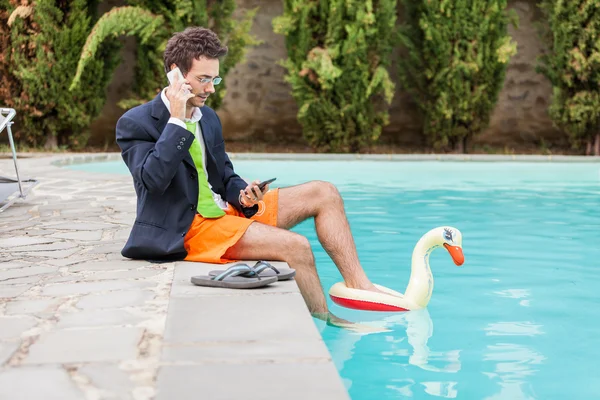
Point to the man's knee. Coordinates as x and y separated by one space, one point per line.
300 246
327 192
299 242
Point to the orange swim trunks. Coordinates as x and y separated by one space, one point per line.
209 238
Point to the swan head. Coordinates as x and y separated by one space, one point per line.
452 241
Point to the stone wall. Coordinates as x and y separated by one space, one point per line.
258 105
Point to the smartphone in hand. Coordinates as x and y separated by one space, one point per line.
172 73
171 76
262 185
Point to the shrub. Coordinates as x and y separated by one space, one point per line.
457 52
573 67
338 55
153 22
41 45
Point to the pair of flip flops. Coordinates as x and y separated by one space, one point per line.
243 276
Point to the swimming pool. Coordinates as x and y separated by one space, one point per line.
520 319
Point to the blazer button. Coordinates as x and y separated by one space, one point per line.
193 176
182 139
183 234
192 207
181 143
178 147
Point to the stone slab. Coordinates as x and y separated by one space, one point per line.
131 274
81 226
261 351
7 349
56 245
85 235
109 378
107 249
28 279
18 241
53 254
29 306
115 299
67 261
66 289
27 271
37 383
13 290
38 232
93 318
15 227
300 381
12 327
85 345
239 318
12 264
108 265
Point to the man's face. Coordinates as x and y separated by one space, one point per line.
204 68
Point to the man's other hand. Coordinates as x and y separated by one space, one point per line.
252 195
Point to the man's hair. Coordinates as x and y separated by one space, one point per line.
192 43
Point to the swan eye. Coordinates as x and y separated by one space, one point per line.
448 235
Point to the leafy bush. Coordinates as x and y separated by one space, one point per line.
457 52
41 45
153 22
573 67
338 55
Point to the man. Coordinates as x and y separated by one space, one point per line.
191 203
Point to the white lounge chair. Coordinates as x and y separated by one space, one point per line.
12 189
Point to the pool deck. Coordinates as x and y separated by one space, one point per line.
79 321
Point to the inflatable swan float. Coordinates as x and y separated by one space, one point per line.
420 286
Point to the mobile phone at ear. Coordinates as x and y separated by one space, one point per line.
172 73
262 185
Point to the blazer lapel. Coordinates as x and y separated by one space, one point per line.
161 114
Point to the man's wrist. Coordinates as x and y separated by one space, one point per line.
177 121
240 201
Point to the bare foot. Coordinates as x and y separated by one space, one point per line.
353 326
370 287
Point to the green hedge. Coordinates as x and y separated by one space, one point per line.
454 65
572 64
338 55
41 46
56 61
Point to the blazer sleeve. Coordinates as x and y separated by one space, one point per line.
152 163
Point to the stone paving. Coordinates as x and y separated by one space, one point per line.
79 321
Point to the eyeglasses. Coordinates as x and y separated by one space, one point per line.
215 80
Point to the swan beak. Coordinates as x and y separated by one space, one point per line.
456 253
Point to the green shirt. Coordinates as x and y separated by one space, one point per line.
206 203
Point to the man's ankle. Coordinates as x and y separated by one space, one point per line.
362 285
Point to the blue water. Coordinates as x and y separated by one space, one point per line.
519 320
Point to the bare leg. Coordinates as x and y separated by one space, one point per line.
264 242
322 201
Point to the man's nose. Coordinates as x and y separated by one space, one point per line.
210 88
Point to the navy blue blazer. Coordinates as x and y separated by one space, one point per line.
166 180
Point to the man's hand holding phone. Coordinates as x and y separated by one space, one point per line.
254 193
178 93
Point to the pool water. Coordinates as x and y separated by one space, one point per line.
519 320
